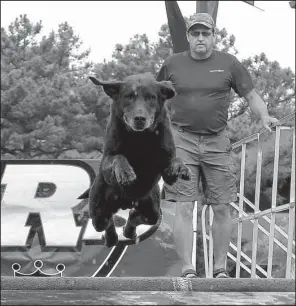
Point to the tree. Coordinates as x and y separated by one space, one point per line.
47 105
140 55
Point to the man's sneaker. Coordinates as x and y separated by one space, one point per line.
221 273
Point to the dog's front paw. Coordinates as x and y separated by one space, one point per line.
125 176
183 171
176 170
124 173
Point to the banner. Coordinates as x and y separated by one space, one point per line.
45 228
210 7
250 2
177 27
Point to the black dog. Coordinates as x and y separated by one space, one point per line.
138 150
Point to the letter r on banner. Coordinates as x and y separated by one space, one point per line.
19 200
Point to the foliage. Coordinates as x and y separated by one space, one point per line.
140 55
47 107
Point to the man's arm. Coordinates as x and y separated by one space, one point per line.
259 108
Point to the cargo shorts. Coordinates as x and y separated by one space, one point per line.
210 161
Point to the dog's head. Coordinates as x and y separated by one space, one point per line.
139 99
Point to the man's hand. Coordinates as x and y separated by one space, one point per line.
268 121
259 108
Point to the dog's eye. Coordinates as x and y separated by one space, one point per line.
129 96
150 97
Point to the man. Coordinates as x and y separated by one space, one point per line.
203 78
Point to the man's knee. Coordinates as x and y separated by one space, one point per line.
221 211
184 209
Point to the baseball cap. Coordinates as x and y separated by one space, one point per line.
201 18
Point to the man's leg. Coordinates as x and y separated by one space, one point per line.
219 182
184 193
222 227
183 234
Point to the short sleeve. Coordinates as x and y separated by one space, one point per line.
162 74
242 83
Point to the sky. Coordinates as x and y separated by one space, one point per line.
103 24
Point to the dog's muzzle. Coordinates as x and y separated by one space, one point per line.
138 123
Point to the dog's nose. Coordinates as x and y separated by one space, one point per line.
140 119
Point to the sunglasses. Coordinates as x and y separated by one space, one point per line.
198 33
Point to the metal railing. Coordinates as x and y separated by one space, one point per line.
257 214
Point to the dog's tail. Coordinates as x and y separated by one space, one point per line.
85 195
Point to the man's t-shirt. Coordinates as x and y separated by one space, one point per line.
203 89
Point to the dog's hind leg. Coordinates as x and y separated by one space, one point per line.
134 219
111 237
150 211
101 221
99 211
146 211
96 200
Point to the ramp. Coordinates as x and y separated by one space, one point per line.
145 291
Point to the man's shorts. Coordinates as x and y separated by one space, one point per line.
210 161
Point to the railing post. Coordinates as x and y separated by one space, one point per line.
204 239
241 203
194 223
257 199
291 213
273 200
211 246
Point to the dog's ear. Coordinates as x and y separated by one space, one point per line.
167 90
112 89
